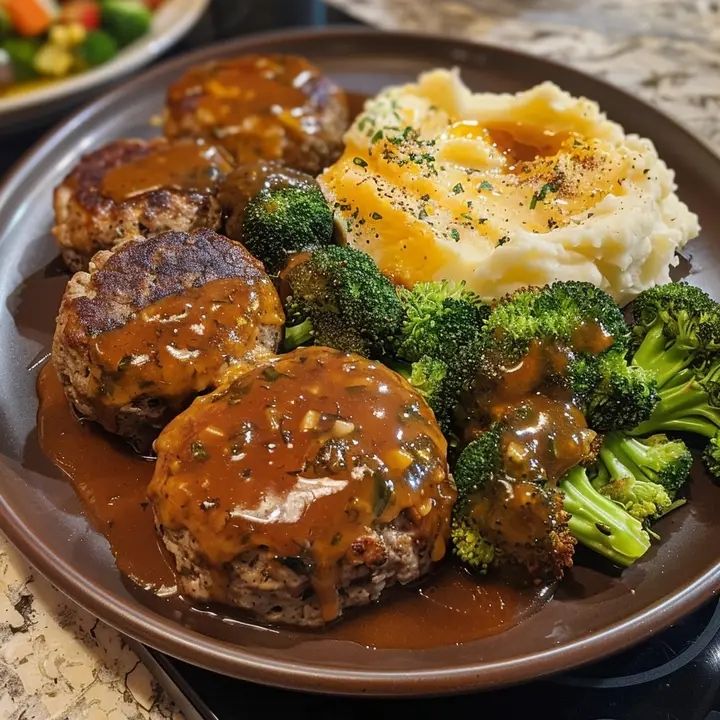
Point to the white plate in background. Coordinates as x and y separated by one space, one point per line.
171 21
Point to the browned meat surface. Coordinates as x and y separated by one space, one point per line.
136 187
304 487
267 107
157 321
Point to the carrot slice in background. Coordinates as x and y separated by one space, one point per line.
30 17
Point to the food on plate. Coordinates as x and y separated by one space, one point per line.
136 187
304 487
438 341
424 347
261 107
276 212
677 332
44 39
157 321
336 296
504 191
643 476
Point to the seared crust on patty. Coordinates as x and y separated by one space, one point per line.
278 591
87 220
130 349
262 107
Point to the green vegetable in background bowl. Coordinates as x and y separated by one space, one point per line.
126 20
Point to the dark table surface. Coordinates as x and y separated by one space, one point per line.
223 19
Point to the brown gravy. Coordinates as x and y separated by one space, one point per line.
254 105
181 165
181 344
303 457
451 606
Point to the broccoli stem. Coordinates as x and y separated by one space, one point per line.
296 335
683 408
601 524
637 457
664 361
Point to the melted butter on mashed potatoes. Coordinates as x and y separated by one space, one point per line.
504 191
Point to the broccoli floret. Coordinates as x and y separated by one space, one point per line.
479 462
470 546
711 456
427 376
338 297
439 318
689 402
569 334
675 326
599 523
505 522
642 499
558 313
441 328
618 396
284 219
655 459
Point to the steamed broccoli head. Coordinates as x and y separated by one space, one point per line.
479 462
275 212
678 307
441 328
470 546
688 402
658 458
439 318
641 499
676 326
427 375
517 527
614 394
711 456
338 297
643 476
570 314
506 522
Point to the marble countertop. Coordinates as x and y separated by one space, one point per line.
58 662
664 51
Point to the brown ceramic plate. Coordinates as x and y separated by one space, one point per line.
595 612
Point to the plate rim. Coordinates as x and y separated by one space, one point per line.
153 629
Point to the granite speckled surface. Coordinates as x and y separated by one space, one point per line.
666 52
57 661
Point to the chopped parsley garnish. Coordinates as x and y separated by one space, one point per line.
360 162
377 136
540 196
457 188
270 373
485 185
504 239
125 360
454 234
198 451
376 216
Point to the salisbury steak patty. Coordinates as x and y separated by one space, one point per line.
262 107
136 187
157 321
303 487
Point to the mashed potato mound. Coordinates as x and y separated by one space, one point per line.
505 190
